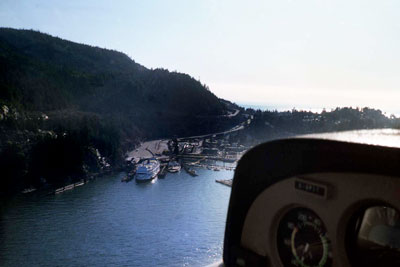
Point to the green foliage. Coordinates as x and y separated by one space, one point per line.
13 168
273 124
73 105
43 73
89 130
55 159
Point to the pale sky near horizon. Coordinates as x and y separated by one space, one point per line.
305 53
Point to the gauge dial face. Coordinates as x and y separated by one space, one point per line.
303 240
374 238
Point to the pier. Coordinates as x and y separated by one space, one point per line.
69 187
214 167
225 182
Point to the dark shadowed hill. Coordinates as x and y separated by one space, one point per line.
39 72
68 109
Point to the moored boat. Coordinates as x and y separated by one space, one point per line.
192 172
174 166
147 170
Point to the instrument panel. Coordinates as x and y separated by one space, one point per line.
355 225
302 239
316 202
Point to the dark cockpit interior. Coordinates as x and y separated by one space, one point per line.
318 200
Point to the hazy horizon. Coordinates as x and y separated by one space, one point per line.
284 53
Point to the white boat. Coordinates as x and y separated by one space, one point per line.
174 166
147 170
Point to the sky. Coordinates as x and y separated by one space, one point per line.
303 54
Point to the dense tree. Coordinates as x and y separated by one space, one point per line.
70 106
13 169
273 124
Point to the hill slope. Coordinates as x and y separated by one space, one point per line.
39 72
68 109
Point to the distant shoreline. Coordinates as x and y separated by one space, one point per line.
283 108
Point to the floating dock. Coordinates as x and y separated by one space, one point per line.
225 182
69 187
214 167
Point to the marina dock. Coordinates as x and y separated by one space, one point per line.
216 152
225 182
69 187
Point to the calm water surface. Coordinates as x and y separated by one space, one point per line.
176 221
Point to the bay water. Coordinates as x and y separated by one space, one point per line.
175 221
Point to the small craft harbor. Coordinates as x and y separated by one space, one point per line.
208 153
218 151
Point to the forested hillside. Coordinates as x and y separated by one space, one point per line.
43 73
268 125
91 104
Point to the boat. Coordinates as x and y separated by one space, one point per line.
127 178
147 170
174 166
192 172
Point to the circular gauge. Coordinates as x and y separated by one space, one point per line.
303 240
373 238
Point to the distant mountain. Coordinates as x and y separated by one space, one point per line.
39 72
